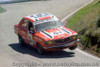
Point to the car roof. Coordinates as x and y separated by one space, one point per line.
41 16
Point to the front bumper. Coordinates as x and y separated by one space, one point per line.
63 46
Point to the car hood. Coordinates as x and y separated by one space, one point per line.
56 33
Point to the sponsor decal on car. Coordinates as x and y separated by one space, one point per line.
34 42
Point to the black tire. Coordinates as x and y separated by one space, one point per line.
39 49
73 47
21 42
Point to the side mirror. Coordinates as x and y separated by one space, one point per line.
31 31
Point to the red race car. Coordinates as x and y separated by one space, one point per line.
45 32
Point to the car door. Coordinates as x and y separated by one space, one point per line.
24 29
31 34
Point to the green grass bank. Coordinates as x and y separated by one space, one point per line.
86 22
1 10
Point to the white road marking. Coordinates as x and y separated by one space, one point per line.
87 54
66 17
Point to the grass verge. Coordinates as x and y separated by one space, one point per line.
1 10
86 22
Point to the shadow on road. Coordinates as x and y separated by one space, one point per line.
32 51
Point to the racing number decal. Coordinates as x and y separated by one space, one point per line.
30 40
57 33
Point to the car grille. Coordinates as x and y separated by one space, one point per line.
62 40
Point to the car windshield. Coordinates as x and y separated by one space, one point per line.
40 26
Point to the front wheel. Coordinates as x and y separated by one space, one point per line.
73 47
39 49
21 42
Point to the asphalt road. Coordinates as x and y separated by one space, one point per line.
12 55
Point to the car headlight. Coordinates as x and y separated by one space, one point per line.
49 42
74 37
